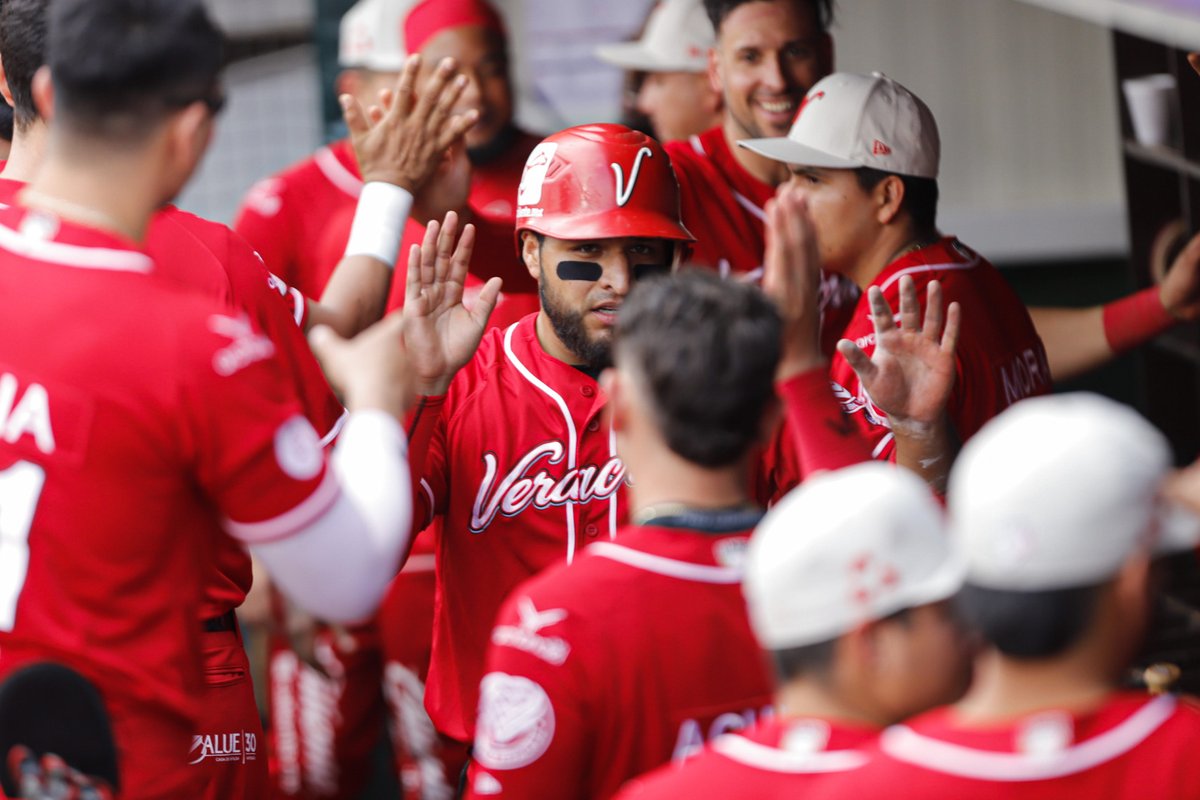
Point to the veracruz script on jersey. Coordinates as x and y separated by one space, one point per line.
632 657
776 759
134 415
525 473
1133 746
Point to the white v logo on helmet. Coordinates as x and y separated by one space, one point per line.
625 192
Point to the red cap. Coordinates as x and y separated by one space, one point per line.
600 181
430 17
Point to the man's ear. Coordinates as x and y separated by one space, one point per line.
714 72
5 90
772 416
615 395
531 254
43 93
189 132
889 197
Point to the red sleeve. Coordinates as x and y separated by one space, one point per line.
824 438
531 736
256 455
427 458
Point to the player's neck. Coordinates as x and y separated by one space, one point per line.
85 194
27 153
892 241
1004 688
767 170
809 699
662 479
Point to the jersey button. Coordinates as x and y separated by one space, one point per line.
594 425
591 531
587 391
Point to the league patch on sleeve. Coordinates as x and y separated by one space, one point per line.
516 721
298 449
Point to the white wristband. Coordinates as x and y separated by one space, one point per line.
379 222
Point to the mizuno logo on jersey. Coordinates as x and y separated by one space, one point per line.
523 487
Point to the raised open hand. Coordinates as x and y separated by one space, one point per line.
911 373
403 140
792 279
440 333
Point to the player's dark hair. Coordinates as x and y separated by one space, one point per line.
707 349
120 66
6 122
718 10
920 197
1028 625
815 660
23 50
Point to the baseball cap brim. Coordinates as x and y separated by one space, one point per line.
636 56
781 148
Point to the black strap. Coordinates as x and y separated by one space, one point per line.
225 622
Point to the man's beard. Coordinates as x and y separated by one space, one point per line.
596 354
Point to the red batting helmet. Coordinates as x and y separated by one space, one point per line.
600 181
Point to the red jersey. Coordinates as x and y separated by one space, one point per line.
127 434
773 760
632 657
1133 746
524 472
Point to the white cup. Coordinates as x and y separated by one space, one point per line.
1152 100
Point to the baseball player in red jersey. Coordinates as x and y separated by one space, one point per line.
212 259
1057 540
597 208
853 613
573 649
172 392
864 152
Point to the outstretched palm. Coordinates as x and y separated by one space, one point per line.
911 373
440 333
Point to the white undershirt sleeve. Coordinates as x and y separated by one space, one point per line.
339 566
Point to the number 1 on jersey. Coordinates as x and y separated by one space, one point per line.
20 488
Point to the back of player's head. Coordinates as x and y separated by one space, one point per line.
856 546
600 181
1049 502
50 708
718 10
23 51
705 351
120 66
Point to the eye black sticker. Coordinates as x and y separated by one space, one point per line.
579 271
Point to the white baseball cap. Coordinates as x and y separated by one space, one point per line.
677 38
849 121
847 547
1059 492
371 35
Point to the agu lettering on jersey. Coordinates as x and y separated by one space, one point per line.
635 655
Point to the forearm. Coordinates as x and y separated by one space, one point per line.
927 450
824 437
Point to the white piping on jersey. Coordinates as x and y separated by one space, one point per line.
904 744
287 523
425 487
883 287
884 442
336 173
612 501
697 145
562 406
772 759
298 305
72 255
422 562
749 205
672 568
329 438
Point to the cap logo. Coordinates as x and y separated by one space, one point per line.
880 149
530 191
625 192
804 104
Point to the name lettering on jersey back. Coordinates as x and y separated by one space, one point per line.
694 733
526 487
1026 374
25 413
